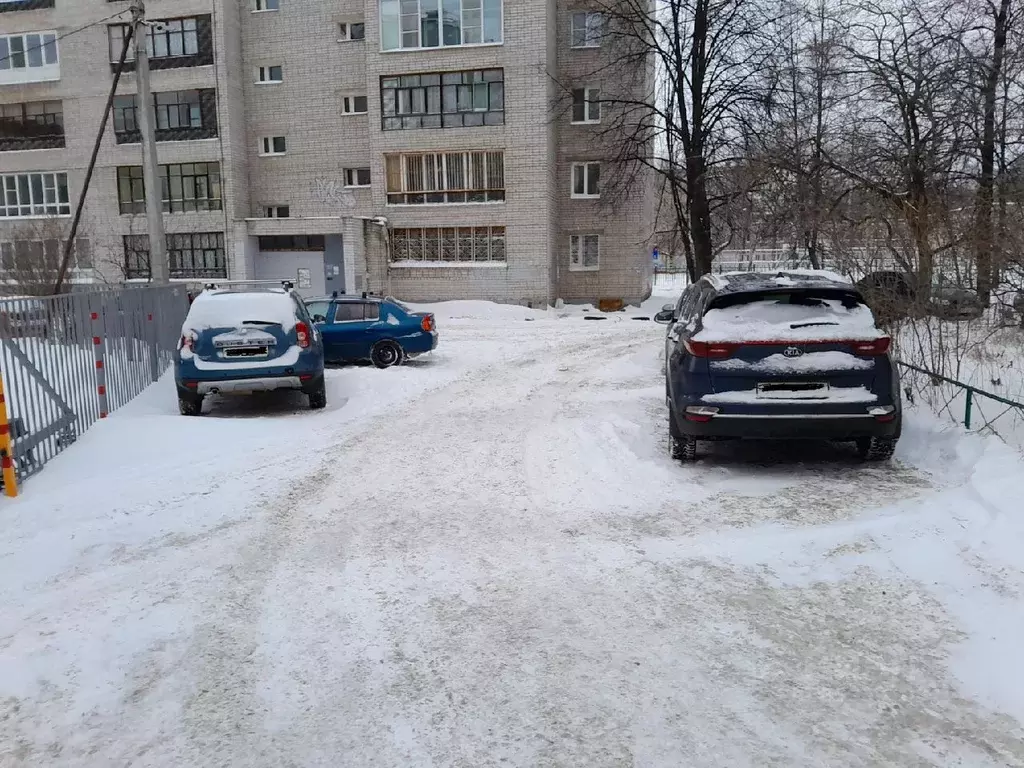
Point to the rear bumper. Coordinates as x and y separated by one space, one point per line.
247 385
419 344
832 426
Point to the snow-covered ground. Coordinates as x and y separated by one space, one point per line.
486 557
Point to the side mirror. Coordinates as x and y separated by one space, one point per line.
669 308
319 319
666 316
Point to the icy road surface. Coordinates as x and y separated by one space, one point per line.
487 558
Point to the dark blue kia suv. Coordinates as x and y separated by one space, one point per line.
789 355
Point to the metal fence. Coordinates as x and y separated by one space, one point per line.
69 360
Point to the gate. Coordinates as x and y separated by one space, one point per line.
71 359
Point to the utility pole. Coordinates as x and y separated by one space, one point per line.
145 114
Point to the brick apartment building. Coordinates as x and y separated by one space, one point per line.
412 147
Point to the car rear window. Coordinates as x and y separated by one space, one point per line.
786 315
233 309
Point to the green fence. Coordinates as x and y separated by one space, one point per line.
972 397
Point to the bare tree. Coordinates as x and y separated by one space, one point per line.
704 58
32 252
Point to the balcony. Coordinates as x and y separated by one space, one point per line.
24 5
29 57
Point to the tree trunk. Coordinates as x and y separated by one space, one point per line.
984 229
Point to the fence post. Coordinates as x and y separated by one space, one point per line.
967 408
6 448
101 373
154 344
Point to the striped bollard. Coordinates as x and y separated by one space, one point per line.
6 447
101 374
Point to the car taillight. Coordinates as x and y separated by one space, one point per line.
427 324
302 334
876 347
188 341
713 349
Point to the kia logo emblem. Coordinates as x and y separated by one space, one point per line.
793 352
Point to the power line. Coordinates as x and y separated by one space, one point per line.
10 56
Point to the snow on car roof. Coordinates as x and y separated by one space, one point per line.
230 308
737 282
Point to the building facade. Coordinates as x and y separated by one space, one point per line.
428 149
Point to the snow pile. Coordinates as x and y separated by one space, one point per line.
771 320
810 362
477 310
230 309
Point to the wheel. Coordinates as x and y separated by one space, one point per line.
681 447
386 354
876 448
190 406
318 397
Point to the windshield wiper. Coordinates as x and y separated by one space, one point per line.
813 323
260 322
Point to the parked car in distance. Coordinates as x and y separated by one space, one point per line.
23 317
240 340
381 330
890 294
792 355
951 302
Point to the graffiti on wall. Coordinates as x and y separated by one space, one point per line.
333 193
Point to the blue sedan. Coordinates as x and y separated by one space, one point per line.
380 330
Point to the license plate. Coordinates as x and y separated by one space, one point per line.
798 390
245 352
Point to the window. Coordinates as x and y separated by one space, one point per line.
25 195
291 243
356 311
272 145
34 261
30 57
177 116
33 125
25 5
445 177
584 252
448 244
277 212
171 43
406 24
185 187
271 74
587 29
351 31
353 105
586 105
586 179
357 177
443 99
190 255
267 5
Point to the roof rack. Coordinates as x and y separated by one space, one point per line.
287 285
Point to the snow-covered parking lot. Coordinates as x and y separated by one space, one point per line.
487 557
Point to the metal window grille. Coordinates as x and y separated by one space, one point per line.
445 177
452 244
197 255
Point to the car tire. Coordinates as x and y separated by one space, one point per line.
680 447
318 397
190 406
876 448
386 354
